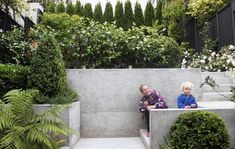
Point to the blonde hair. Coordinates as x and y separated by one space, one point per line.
186 84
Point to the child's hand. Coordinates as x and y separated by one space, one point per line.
146 102
151 107
193 105
187 107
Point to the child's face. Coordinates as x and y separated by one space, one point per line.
146 90
187 91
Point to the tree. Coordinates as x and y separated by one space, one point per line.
128 15
78 8
98 14
87 12
158 11
108 12
70 8
149 14
60 8
119 14
138 15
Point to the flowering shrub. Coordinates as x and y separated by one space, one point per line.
211 61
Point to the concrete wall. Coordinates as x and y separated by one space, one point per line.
70 117
162 120
109 97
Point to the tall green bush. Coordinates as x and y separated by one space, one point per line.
128 15
199 129
47 70
108 13
12 77
119 14
70 8
78 9
149 14
138 15
60 8
98 14
158 11
87 12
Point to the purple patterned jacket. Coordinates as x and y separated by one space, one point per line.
154 99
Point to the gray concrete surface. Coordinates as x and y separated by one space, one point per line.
110 143
145 139
162 119
109 97
70 117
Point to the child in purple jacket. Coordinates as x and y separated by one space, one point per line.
151 100
186 100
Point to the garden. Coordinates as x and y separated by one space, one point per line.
33 62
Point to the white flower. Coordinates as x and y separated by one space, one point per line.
204 57
231 47
213 54
202 61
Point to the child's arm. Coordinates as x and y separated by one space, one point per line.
180 103
143 105
194 103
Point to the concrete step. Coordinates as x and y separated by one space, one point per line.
110 143
144 138
221 88
216 96
213 74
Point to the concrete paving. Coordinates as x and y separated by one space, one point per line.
110 143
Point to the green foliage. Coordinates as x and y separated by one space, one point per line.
70 9
158 11
87 12
51 7
60 8
20 128
98 14
12 77
138 15
78 8
47 70
15 47
149 14
128 15
233 95
173 13
203 10
199 129
96 45
119 14
108 13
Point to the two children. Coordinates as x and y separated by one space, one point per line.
153 100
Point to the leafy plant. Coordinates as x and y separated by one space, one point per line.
108 13
149 14
21 128
47 70
60 8
119 14
12 77
78 8
70 8
199 129
98 14
87 11
128 15
138 14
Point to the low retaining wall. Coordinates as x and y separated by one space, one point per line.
162 119
109 97
70 117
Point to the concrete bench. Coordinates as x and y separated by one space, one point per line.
161 121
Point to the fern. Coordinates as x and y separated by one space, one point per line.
21 128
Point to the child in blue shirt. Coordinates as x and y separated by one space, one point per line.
185 100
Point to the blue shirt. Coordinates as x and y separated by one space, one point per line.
184 100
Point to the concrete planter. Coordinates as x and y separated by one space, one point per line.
70 117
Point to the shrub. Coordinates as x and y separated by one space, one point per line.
70 8
60 8
78 8
87 11
199 129
47 70
12 77
15 47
